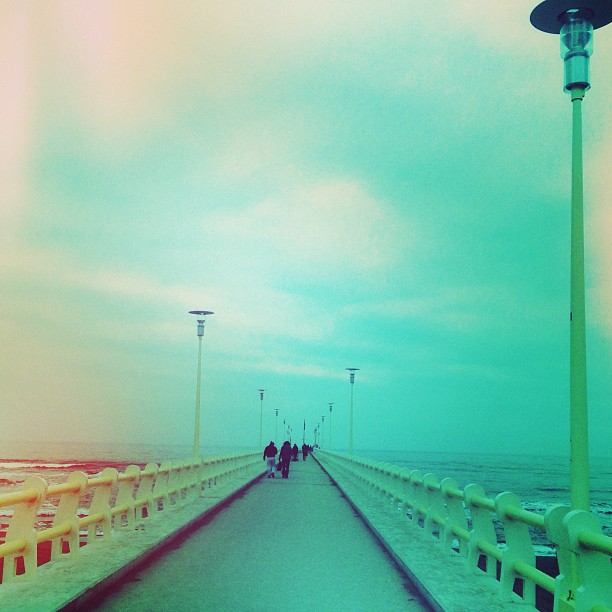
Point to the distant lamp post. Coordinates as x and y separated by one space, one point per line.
352 381
330 414
201 321
261 395
322 429
575 21
276 427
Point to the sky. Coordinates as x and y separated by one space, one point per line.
380 185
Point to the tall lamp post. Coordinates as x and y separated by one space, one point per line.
330 414
202 314
352 380
575 21
261 394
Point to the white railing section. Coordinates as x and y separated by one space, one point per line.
91 507
464 523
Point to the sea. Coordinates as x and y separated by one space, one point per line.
540 481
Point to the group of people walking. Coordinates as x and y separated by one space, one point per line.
286 454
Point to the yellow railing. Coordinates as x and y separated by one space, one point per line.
463 522
113 501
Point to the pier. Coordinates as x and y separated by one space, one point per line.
341 533
294 544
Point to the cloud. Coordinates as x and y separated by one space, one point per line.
319 228
454 308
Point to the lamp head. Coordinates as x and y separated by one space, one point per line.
576 33
576 36
575 21
202 321
352 373
549 15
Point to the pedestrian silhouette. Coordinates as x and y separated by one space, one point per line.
285 457
295 451
269 455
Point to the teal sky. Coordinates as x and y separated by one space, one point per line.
382 185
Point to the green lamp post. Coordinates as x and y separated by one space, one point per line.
574 21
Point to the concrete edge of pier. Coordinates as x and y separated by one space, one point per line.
72 583
441 579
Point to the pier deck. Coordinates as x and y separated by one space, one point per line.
295 544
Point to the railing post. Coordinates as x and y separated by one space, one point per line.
456 517
212 472
100 504
186 481
519 548
21 527
394 488
144 494
594 568
67 513
174 482
566 581
419 497
435 506
411 494
125 497
482 529
404 484
198 476
160 488
194 482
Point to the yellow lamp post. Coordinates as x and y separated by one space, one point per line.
196 430
574 21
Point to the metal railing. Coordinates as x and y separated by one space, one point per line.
91 507
463 522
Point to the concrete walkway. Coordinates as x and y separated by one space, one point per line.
292 544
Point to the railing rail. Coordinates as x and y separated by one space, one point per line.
89 506
463 522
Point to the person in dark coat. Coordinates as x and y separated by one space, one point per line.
285 457
295 451
269 455
304 451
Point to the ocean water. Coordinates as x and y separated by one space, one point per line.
63 452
